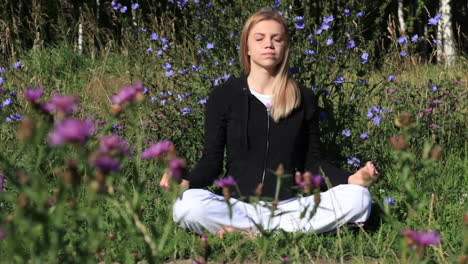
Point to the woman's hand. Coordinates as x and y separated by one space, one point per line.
166 182
365 176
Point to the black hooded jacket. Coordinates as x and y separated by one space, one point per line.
255 145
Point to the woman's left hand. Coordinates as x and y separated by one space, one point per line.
365 176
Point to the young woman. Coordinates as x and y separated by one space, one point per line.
261 120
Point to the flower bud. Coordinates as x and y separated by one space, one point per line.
26 129
280 170
259 189
399 143
436 152
404 120
116 109
226 193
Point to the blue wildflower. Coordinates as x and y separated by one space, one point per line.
17 65
165 46
354 161
233 34
276 4
350 44
154 36
370 114
376 120
364 135
159 53
360 14
389 200
182 3
186 110
403 54
376 109
2 70
364 58
299 22
14 117
149 50
434 20
135 6
339 79
163 101
1 81
183 71
346 132
202 101
143 30
330 42
434 88
123 9
414 38
169 73
347 12
435 41
198 37
328 19
169 93
402 40
362 82
153 98
208 5
210 45
332 58
391 78
309 52
7 101
167 66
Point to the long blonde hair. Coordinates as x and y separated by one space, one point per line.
286 94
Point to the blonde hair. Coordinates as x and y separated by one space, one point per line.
286 94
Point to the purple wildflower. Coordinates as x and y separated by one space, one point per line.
113 144
330 42
2 181
3 233
346 132
360 14
364 135
403 54
434 88
123 9
391 78
210 45
2 70
71 130
175 166
159 53
299 22
421 238
61 104
167 66
33 95
156 150
127 93
225 182
328 19
105 163
135 6
414 38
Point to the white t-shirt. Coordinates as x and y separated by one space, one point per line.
264 98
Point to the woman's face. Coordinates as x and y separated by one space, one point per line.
266 44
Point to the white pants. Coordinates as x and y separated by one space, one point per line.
200 210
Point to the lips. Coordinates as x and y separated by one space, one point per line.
268 54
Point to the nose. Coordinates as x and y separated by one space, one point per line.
269 43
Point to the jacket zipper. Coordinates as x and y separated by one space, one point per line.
267 144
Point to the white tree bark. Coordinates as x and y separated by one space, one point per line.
80 38
445 35
401 18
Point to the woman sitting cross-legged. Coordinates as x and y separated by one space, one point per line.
260 121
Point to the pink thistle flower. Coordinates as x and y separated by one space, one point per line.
33 95
71 130
61 104
225 182
156 150
422 238
114 145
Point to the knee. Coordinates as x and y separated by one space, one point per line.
359 200
187 208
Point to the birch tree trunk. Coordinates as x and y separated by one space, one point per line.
447 52
401 18
80 33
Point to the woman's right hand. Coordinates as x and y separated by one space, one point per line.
166 182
